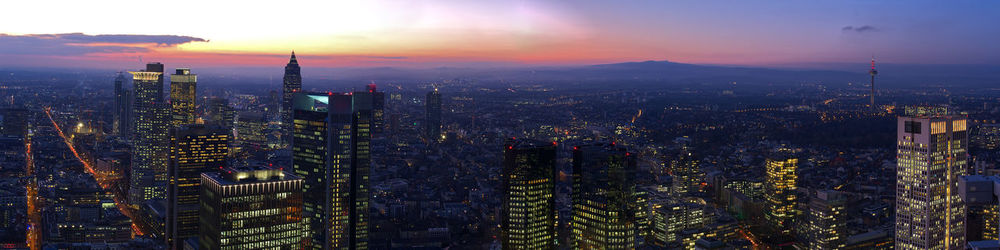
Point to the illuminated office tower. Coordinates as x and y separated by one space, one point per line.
195 149
932 149
150 140
604 202
250 208
687 176
528 178
292 83
669 220
827 221
123 108
378 110
779 191
331 151
182 96
432 117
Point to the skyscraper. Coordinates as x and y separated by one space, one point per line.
150 140
14 122
183 85
528 179
687 176
827 220
291 85
604 207
195 149
932 152
250 208
779 190
432 119
122 108
378 109
331 151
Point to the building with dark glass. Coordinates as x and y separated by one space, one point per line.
195 149
183 86
528 180
331 150
122 113
150 140
604 202
250 208
292 83
432 117
378 110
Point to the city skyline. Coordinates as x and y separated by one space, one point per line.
500 125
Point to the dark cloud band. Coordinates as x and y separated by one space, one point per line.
81 44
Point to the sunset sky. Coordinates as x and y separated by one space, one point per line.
114 34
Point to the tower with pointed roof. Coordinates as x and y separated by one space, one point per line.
292 84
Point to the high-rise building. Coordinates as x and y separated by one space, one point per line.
528 178
331 151
250 208
251 130
195 149
183 86
219 112
604 202
122 109
827 220
779 191
292 84
150 140
378 110
932 152
14 122
669 220
432 118
687 175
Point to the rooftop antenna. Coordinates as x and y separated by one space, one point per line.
873 72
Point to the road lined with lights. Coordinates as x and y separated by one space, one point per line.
102 180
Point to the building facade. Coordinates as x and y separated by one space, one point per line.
779 192
331 151
250 208
195 149
432 116
292 84
150 140
528 213
604 203
183 87
932 152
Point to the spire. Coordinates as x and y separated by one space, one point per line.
293 59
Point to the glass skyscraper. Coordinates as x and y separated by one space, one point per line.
331 151
150 150
528 178
195 149
779 192
183 85
604 202
292 83
432 117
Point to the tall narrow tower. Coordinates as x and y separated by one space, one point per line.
873 72
291 84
